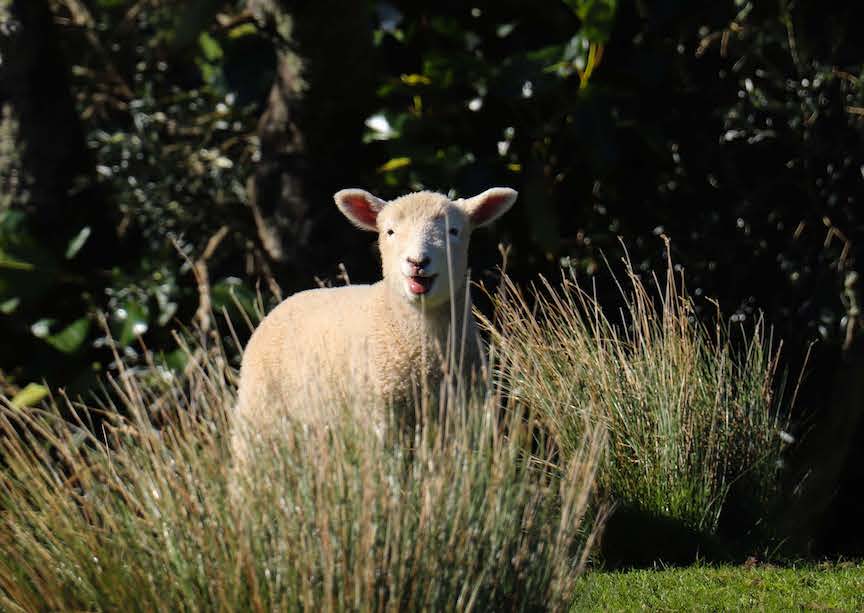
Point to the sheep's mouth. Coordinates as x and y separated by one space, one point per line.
421 285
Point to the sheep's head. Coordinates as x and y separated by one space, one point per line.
424 236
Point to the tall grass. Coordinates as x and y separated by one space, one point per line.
136 503
136 506
690 410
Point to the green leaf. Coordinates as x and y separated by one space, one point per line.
42 328
132 320
415 79
77 243
247 29
11 263
11 222
30 395
395 164
505 29
211 49
176 360
597 17
70 339
229 293
209 73
7 307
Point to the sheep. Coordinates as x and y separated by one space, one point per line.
383 339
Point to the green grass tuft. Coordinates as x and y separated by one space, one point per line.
689 410
146 512
137 503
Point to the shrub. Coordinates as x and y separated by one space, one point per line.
689 411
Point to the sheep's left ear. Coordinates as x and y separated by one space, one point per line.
485 208
360 207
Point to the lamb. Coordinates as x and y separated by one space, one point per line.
384 339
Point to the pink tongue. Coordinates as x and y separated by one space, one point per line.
416 287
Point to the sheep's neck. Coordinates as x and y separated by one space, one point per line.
434 322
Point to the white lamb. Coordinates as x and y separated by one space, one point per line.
383 339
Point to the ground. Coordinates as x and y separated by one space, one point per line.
824 587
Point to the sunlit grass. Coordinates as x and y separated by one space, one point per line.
490 503
689 410
138 506
810 587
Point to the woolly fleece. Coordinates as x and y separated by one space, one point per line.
320 349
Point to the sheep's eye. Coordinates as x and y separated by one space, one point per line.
454 231
390 232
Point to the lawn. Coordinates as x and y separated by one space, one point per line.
834 587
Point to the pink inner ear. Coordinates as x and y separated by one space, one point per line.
488 209
362 210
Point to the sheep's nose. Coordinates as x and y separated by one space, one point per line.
418 262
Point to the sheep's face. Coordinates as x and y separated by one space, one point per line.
424 247
424 237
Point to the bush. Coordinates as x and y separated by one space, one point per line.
145 510
689 411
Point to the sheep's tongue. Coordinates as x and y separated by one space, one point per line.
419 285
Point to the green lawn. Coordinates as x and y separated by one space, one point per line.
836 587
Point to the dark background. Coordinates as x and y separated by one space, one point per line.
159 156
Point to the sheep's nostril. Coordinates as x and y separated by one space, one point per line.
419 263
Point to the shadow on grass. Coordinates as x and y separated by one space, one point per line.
637 539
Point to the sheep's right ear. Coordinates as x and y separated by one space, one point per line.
360 207
485 208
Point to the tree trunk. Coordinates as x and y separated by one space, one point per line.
42 150
311 132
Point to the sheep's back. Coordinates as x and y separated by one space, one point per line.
303 355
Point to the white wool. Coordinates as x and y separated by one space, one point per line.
377 341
